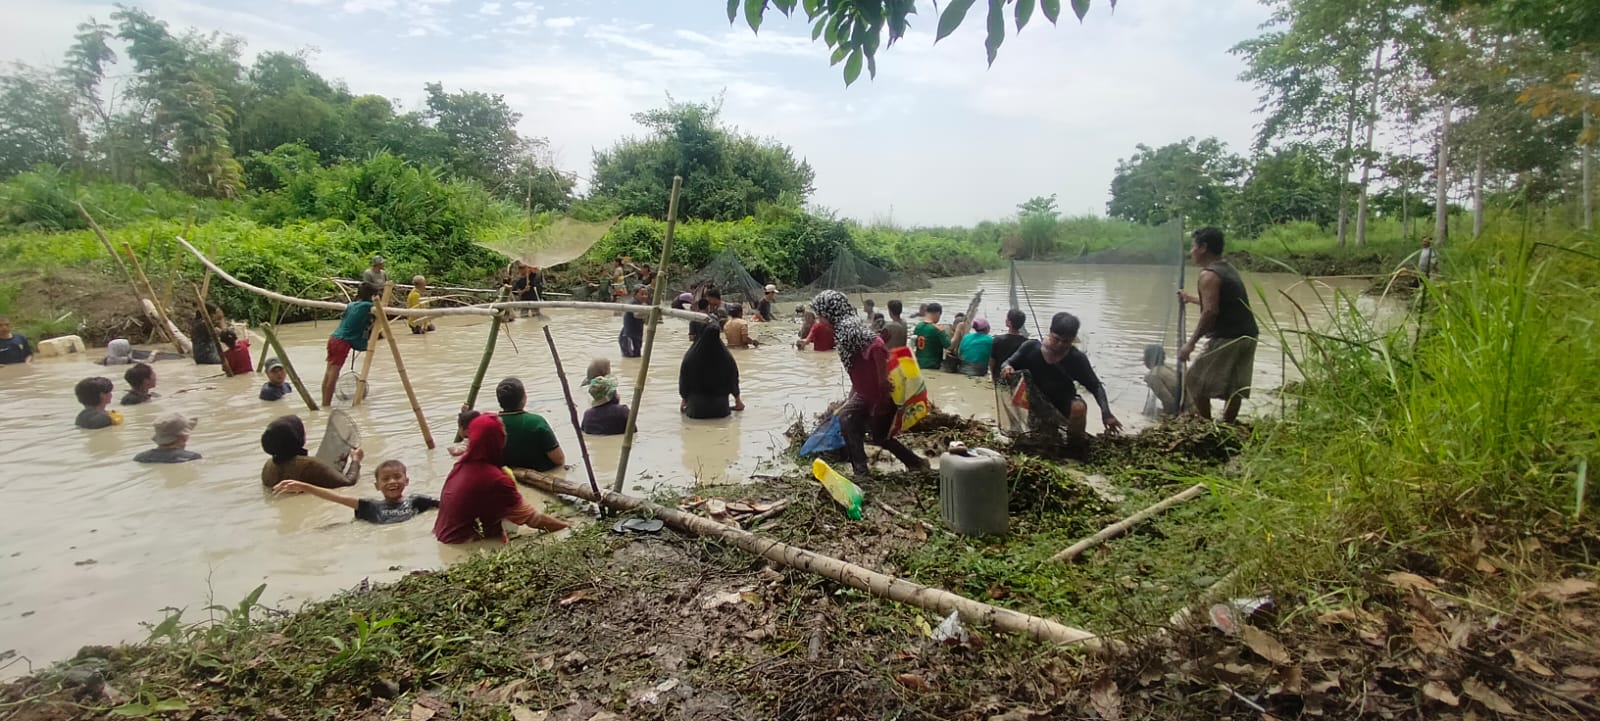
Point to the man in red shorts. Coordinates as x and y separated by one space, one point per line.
354 328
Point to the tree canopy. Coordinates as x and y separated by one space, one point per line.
856 29
726 175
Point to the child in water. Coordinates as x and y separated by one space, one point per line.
237 355
462 421
141 378
94 393
277 385
391 481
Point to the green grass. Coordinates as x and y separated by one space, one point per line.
1478 411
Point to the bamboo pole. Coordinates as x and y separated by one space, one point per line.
288 367
1183 324
1122 526
484 309
483 368
650 334
849 574
133 284
382 320
572 409
374 332
163 322
273 316
222 352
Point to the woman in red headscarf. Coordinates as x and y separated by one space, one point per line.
479 493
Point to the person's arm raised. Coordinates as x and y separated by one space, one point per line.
296 487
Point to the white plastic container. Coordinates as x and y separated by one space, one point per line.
974 494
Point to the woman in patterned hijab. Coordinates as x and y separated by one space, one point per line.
870 408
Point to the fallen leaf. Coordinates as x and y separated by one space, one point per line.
1338 617
740 507
1565 588
1484 566
718 600
1020 713
605 716
1480 692
572 598
716 507
1441 693
1427 638
1581 672
421 713
1265 645
1458 631
1411 581
914 682
1106 699
1530 664
523 713
1332 682
751 597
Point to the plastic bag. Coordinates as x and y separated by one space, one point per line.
828 437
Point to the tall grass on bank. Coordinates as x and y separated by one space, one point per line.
1402 436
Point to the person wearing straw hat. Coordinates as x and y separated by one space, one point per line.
171 437
607 416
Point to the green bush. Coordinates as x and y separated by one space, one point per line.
43 200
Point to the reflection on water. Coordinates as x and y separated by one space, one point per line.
94 544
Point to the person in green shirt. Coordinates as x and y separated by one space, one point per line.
931 340
354 327
530 443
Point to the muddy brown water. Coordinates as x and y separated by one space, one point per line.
94 544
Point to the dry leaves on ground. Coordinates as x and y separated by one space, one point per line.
1480 692
1264 645
1411 581
1565 588
1106 699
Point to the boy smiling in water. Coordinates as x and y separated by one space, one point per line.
391 481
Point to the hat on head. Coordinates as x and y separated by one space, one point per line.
981 325
771 288
602 390
377 260
685 297
172 427
270 364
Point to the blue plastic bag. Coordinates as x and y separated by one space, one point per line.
827 437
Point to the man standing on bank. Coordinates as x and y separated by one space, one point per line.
1224 368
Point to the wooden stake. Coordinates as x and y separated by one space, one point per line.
849 574
483 368
172 274
101 234
382 321
1122 526
288 367
374 332
572 409
163 323
649 334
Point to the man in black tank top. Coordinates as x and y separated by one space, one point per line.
1223 370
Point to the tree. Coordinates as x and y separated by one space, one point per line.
36 125
1294 183
726 175
1037 219
855 29
1188 179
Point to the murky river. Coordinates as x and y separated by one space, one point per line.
93 544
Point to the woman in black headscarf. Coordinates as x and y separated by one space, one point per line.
708 376
285 440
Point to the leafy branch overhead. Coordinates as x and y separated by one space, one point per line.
855 29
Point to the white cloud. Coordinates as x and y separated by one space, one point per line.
489 9
561 22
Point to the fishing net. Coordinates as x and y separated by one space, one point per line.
727 273
1025 411
339 439
563 240
850 274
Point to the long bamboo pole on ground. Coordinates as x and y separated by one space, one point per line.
374 332
849 574
163 322
1122 526
649 334
572 409
382 320
288 367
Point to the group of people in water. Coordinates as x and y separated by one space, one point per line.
480 492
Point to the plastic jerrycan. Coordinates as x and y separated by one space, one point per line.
973 492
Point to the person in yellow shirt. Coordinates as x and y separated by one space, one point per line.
419 325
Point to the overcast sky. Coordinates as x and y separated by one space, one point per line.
937 138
